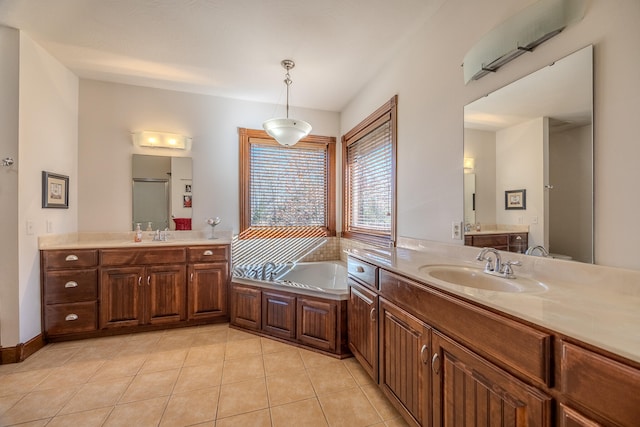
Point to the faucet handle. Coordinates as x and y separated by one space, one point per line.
507 271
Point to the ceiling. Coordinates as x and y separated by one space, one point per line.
229 48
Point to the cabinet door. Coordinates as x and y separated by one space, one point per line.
246 307
468 390
207 293
166 289
317 322
404 362
362 311
570 418
121 297
279 314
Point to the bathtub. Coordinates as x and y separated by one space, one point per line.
323 278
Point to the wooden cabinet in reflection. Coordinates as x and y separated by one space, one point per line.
512 242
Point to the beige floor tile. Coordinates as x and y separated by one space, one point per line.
37 405
237 335
118 368
290 387
8 401
148 386
205 354
98 394
190 408
397 422
198 377
379 401
48 357
273 346
70 375
38 423
164 360
312 359
331 378
242 368
175 342
349 408
303 413
283 361
22 382
139 414
210 337
357 371
243 348
92 418
241 397
95 352
260 418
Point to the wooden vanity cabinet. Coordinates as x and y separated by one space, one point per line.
69 291
208 272
246 310
512 242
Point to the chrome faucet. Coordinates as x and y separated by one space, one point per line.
489 266
539 248
265 269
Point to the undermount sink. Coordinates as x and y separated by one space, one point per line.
478 279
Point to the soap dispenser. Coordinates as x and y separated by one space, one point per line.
138 235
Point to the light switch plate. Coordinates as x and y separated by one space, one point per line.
29 228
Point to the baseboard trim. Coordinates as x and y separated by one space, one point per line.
21 351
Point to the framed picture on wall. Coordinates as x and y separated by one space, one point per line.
515 199
186 201
187 188
55 190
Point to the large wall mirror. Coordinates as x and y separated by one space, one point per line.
536 134
162 195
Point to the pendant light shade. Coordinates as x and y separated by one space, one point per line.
285 130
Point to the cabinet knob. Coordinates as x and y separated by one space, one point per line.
423 351
207 253
139 280
435 364
372 314
71 284
359 269
71 317
71 258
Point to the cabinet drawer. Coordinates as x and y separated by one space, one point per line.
63 286
491 240
69 258
207 253
601 384
70 318
523 349
363 272
143 256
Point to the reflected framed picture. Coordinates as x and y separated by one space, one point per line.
515 199
186 201
55 190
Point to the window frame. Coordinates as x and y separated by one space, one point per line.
247 137
386 112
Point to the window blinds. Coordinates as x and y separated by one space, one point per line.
369 163
288 186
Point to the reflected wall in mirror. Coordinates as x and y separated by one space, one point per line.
162 192
536 134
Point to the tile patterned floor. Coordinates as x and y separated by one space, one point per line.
203 376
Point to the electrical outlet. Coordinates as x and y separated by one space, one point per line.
456 230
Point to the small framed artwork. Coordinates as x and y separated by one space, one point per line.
55 190
187 188
186 201
515 199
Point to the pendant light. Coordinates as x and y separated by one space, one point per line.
285 130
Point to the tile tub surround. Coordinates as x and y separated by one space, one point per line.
594 304
207 375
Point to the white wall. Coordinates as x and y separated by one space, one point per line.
481 146
427 77
520 165
109 111
48 141
9 291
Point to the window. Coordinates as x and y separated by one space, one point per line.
369 159
286 191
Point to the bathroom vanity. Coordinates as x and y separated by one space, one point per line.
446 354
105 286
501 240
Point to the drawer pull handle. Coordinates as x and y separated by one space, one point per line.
71 258
148 280
207 253
191 277
359 269
435 364
139 280
518 237
372 314
71 317
423 350
71 284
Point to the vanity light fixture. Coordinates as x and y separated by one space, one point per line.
285 130
521 33
147 138
469 164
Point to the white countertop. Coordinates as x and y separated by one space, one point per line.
125 240
594 304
